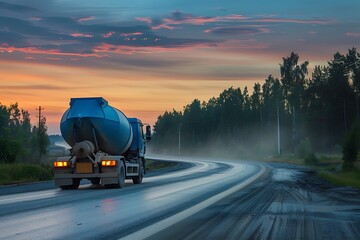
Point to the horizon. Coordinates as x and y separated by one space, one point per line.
146 58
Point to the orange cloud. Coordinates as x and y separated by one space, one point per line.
179 18
110 48
293 20
4 47
353 34
131 34
81 35
86 19
107 35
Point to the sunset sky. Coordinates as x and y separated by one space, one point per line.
149 56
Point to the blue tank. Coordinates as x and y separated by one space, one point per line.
94 120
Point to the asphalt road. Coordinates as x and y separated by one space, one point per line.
198 199
134 212
288 202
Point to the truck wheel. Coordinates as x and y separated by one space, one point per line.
95 181
138 179
75 185
121 179
121 183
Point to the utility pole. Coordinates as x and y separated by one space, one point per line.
180 139
294 131
278 129
40 116
261 121
40 131
345 126
278 126
357 107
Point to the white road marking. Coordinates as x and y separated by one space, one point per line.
21 197
165 223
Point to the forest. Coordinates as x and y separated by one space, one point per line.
315 109
19 140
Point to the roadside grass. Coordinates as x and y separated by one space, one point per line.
153 165
286 159
24 172
343 178
328 167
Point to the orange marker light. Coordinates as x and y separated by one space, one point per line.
108 163
61 164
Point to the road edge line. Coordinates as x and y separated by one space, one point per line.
167 222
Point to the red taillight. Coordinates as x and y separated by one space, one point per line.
61 164
108 163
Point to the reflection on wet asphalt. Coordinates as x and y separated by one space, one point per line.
283 175
289 203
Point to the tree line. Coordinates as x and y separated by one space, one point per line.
19 140
280 114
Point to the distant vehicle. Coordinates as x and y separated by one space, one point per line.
107 147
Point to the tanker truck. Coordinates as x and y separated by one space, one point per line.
107 147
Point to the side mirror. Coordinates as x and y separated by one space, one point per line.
148 133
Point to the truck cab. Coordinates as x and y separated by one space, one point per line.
137 148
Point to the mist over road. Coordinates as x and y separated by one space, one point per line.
198 199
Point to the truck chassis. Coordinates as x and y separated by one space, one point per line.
110 171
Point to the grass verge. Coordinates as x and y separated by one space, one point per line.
328 168
153 164
343 178
24 172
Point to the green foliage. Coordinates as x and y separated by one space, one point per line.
311 159
304 148
155 165
293 79
23 172
319 110
346 178
351 146
18 142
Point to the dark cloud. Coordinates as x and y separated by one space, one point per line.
177 18
24 27
15 39
59 21
16 7
84 35
237 30
72 36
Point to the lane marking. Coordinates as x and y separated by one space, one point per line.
20 197
199 166
177 187
165 223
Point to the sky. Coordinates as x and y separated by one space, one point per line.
146 57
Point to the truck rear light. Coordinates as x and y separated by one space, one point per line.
61 164
108 163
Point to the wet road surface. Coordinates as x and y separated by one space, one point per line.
93 212
198 199
288 202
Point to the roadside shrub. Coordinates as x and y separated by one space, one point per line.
351 146
304 148
20 172
311 159
337 149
